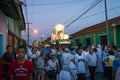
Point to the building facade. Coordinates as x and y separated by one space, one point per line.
96 34
3 33
11 24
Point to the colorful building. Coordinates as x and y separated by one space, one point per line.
11 24
96 34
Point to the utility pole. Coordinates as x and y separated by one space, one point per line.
107 26
28 32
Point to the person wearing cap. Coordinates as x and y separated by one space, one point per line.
52 68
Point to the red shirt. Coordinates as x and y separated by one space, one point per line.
21 71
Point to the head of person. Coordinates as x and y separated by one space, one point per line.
70 58
21 51
42 55
72 48
95 49
66 50
111 52
52 55
34 50
9 48
59 49
79 50
80 45
118 50
86 48
91 51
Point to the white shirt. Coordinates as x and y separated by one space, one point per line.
85 54
99 52
92 59
29 53
64 75
64 58
80 65
52 65
38 53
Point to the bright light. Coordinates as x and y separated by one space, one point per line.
35 31
59 34
66 36
59 27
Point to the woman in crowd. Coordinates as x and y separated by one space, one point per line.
59 55
80 64
52 68
40 66
109 63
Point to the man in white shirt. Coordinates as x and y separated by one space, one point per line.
92 63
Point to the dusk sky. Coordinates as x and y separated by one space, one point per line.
45 14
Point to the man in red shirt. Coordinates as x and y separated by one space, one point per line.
21 69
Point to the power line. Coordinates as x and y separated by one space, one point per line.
53 9
92 6
79 12
112 6
65 2
100 12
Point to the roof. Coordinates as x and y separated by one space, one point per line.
13 9
9 8
97 26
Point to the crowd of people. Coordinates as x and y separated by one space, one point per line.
60 62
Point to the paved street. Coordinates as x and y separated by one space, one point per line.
99 76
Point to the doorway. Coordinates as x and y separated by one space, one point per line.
77 41
88 41
104 40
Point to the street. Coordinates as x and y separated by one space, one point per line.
99 76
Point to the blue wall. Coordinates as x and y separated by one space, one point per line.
1 45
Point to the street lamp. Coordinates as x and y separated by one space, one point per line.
35 31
